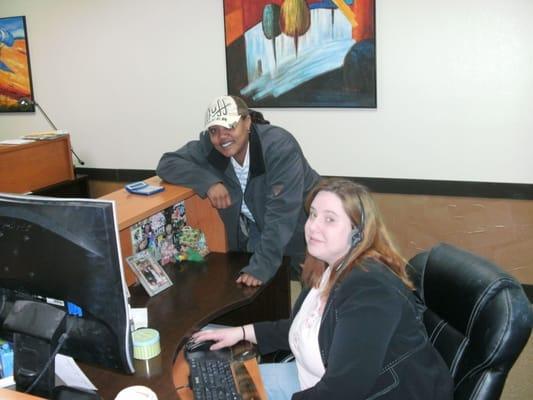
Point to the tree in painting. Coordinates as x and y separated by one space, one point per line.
271 23
294 20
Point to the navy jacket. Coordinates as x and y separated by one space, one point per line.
280 178
372 341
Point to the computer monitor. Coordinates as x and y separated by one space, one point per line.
64 255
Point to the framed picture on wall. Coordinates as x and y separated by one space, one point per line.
301 53
15 71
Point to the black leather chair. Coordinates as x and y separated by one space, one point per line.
478 318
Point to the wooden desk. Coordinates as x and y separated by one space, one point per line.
181 373
32 166
201 293
132 208
12 395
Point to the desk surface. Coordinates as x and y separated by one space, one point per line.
12 395
200 294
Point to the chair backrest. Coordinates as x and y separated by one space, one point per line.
478 318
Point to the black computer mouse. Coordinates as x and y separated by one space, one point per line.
191 346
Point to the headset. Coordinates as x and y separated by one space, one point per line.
357 235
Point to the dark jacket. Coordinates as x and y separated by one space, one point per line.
279 180
372 341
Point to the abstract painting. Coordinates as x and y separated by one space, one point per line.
301 53
15 72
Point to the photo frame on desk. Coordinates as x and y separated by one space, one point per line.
150 274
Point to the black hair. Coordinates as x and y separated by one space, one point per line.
257 117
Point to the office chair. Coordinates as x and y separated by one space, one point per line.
478 318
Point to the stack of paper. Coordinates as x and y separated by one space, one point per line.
16 141
44 135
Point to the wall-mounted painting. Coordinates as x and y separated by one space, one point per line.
301 53
15 72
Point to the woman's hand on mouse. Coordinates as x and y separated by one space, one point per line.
225 337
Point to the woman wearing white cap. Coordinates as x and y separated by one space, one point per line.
257 177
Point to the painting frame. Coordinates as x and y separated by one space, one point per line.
330 65
15 67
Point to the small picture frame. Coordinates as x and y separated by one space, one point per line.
148 271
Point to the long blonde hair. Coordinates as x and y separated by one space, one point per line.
376 241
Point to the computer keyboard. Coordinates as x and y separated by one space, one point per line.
210 375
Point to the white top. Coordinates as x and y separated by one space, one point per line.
303 336
242 176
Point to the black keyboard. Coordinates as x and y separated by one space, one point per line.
210 375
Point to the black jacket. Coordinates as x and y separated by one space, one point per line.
372 341
280 178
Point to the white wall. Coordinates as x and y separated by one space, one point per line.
130 79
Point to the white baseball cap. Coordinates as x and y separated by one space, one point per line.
225 111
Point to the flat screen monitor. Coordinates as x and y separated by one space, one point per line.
66 253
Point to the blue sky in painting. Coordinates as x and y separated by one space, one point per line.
14 26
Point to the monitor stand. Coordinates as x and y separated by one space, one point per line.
37 330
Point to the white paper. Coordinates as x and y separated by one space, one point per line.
214 327
16 141
139 317
68 371
6 382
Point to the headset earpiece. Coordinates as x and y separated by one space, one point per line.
356 237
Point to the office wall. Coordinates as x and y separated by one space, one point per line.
130 79
498 229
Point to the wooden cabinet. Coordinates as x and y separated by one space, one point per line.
28 167
132 208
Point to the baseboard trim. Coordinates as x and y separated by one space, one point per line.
448 188
377 185
116 175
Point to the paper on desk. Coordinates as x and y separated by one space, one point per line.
16 141
214 326
6 382
139 317
68 371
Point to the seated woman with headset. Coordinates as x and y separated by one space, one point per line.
357 331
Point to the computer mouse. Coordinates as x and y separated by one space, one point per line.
191 346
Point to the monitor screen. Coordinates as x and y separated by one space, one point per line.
66 252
